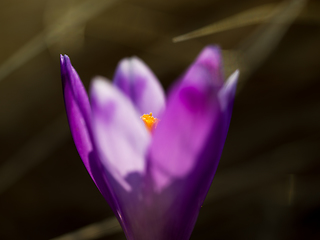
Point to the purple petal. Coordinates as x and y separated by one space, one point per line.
177 145
208 160
190 113
77 107
139 83
182 132
120 136
79 114
161 199
209 61
187 147
210 156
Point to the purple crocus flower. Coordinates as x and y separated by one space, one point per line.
154 178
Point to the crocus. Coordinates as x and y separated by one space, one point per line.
154 173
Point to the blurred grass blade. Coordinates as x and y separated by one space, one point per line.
93 231
23 55
75 17
250 17
310 15
256 48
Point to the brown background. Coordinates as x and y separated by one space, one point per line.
267 183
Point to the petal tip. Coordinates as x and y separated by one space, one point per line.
62 60
210 59
210 52
233 79
64 56
99 88
227 93
214 49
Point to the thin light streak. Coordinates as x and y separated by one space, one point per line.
76 17
93 231
256 48
250 17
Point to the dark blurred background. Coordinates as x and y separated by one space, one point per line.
267 185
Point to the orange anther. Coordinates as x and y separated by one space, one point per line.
150 121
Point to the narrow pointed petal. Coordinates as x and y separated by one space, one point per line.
77 107
120 136
227 93
212 151
138 82
79 116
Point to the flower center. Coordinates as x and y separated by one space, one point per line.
150 121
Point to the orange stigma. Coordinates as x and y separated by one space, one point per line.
150 121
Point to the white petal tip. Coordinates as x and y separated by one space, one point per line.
233 77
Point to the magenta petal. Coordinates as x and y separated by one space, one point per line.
182 132
191 110
79 116
218 133
138 82
177 146
210 156
120 136
209 61
202 103
187 146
